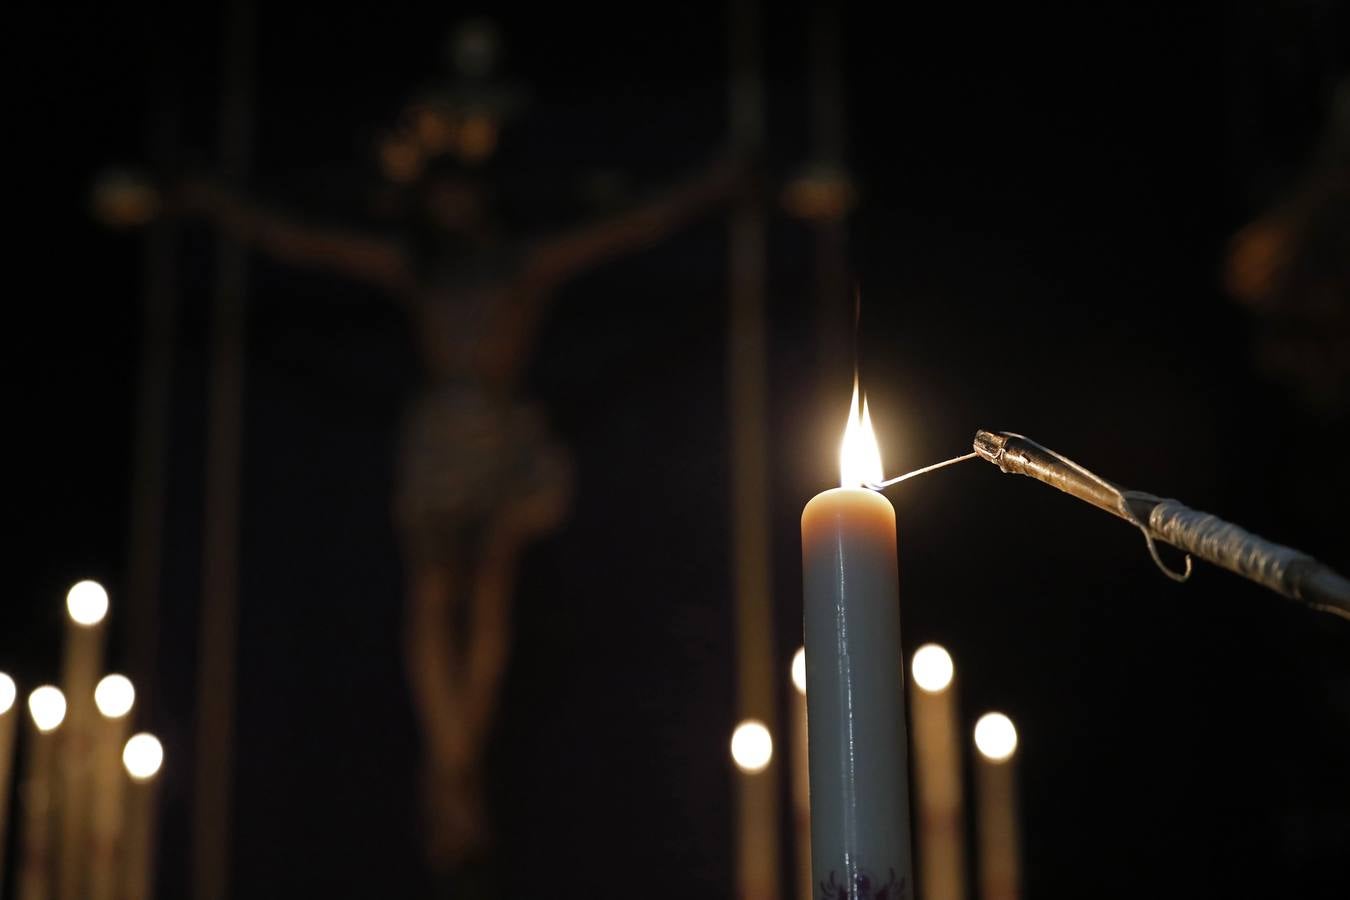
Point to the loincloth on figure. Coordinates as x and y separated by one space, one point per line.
467 459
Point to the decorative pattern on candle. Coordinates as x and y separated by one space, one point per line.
865 887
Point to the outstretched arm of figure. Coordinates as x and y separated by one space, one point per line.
565 255
361 257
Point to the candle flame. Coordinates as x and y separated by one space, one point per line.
932 668
859 455
995 737
751 747
114 696
142 755
8 692
87 603
47 705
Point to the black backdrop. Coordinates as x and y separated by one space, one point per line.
1046 196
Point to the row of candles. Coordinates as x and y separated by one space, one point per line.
87 789
937 770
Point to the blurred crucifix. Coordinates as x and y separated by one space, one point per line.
480 475
1291 264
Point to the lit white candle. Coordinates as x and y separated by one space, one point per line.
143 756
47 710
114 696
855 698
996 794
937 774
9 716
87 613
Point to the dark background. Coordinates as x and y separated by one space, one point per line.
1046 198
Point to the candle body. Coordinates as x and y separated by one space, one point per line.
937 772
34 881
105 831
80 666
1000 868
139 839
9 725
855 701
801 797
757 831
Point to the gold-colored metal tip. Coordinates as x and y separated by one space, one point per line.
989 445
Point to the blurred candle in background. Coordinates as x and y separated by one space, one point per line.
937 773
996 795
87 612
752 752
46 711
9 716
801 785
114 697
855 701
143 756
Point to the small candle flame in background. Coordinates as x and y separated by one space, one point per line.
995 736
87 603
932 668
751 747
114 696
859 455
8 691
142 756
47 705
799 670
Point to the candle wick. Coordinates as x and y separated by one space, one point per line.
882 485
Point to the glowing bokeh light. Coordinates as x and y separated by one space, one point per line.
751 747
7 693
87 602
114 696
932 668
799 670
995 736
142 756
47 706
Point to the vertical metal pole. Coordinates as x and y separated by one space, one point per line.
220 560
828 137
757 675
153 397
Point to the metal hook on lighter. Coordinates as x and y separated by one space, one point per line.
1286 571
1122 498
1123 508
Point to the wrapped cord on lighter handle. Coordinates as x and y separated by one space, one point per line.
1284 570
